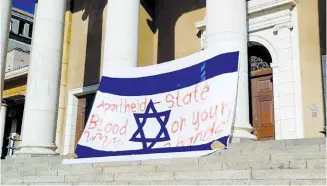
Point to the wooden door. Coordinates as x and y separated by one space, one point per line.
263 105
80 118
83 111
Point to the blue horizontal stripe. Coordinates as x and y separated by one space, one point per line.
166 82
87 152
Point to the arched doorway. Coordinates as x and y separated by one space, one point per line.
261 92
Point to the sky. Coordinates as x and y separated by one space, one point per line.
25 5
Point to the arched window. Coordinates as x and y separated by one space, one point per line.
256 63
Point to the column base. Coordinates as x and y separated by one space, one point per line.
41 150
242 132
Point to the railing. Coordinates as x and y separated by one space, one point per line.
12 141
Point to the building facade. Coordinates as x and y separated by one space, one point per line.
282 72
16 69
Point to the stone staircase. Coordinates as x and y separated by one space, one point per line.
282 162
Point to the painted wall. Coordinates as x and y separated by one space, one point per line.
175 24
162 38
147 37
310 56
87 40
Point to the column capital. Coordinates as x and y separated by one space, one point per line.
288 25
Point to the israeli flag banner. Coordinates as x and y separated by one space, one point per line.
182 108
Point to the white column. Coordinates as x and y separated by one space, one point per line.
5 12
122 34
226 22
40 113
3 113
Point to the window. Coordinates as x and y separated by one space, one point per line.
30 31
21 27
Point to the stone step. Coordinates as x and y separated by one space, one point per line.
306 141
262 182
259 176
279 143
192 182
269 150
250 147
298 156
201 182
309 149
288 149
284 162
237 161
87 169
313 144
38 159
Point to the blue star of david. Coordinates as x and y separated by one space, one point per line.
140 123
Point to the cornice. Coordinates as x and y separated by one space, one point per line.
256 6
16 73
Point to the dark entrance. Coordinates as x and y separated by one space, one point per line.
14 120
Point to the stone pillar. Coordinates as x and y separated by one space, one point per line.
122 34
64 77
40 113
286 108
226 22
5 12
3 113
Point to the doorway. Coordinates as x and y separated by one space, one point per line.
13 122
261 95
84 108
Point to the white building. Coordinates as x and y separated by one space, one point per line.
285 40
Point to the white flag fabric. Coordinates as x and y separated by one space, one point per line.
171 110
